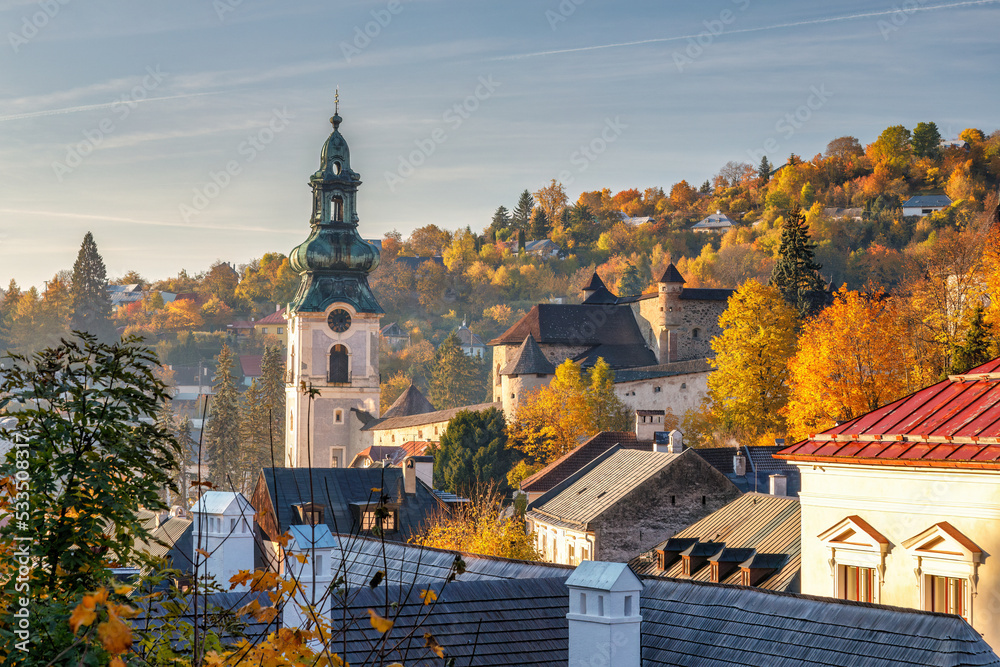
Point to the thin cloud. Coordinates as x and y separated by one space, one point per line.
832 19
148 223
91 107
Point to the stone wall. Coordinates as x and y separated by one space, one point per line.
690 315
686 491
677 393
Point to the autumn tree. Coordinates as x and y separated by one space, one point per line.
554 419
473 450
91 301
893 149
844 148
977 347
552 198
796 273
88 456
222 434
749 386
482 526
851 359
457 379
392 388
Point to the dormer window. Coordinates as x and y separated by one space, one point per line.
946 565
309 514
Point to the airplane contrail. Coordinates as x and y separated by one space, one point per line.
150 223
91 107
658 40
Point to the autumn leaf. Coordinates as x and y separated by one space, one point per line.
203 553
115 636
84 613
240 578
432 644
123 590
283 540
383 625
302 558
428 596
116 662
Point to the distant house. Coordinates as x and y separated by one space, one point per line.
844 213
124 294
250 367
635 221
624 502
922 205
542 248
240 328
471 344
394 336
954 143
717 222
274 324
753 541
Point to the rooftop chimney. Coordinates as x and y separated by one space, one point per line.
779 485
604 617
676 445
739 464
410 476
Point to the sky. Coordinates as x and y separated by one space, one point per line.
183 132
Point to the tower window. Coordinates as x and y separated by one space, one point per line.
336 209
339 365
338 416
695 333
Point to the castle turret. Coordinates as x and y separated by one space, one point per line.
528 370
671 284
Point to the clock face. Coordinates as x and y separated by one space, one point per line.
339 320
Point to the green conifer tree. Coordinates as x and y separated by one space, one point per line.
539 225
272 381
631 283
255 443
977 346
91 301
501 220
796 273
522 212
222 435
764 169
926 140
456 379
473 450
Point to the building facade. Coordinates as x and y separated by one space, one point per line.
333 323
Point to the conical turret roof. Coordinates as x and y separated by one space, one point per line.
595 283
529 360
410 402
672 275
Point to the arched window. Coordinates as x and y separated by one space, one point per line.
336 209
338 365
695 333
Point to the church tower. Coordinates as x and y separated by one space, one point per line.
333 322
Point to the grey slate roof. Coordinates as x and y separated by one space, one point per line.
761 464
529 359
519 622
663 370
706 294
594 283
617 356
684 623
424 418
717 220
583 325
569 463
410 402
217 502
406 564
927 201
581 499
337 489
467 338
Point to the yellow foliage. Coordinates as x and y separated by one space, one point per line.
851 360
383 625
428 596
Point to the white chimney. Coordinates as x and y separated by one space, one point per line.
314 576
661 442
779 485
739 464
410 475
425 470
604 615
676 445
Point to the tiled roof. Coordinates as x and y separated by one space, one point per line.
689 367
575 325
376 453
761 464
361 557
954 423
716 220
705 294
529 359
336 489
596 490
467 338
754 521
518 622
277 317
557 471
410 402
929 201
250 365
684 623
617 356
425 418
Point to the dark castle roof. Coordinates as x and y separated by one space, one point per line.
583 325
410 402
529 359
671 275
594 284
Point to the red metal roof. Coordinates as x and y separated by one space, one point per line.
277 317
954 423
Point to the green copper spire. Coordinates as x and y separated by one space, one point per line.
334 261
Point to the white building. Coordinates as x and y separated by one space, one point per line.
925 204
224 529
